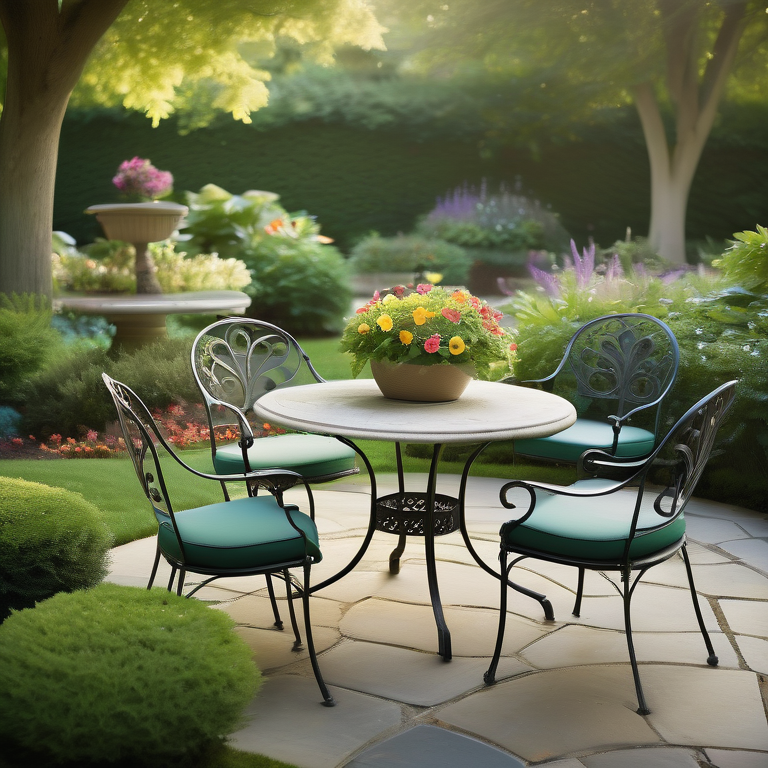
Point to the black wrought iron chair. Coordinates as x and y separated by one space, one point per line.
240 537
590 525
614 368
237 360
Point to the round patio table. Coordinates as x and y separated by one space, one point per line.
486 412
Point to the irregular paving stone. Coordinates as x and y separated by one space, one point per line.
694 705
423 679
572 645
713 531
256 611
747 617
473 631
755 652
651 757
699 554
273 648
751 551
737 759
427 746
654 609
287 722
547 714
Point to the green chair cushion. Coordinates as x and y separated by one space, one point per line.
594 528
245 533
569 444
309 455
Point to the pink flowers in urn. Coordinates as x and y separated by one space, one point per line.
138 180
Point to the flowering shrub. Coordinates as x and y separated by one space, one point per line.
138 180
428 326
108 269
507 220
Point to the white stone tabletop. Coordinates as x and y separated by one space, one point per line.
357 409
193 302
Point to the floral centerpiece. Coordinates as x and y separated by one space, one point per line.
138 180
429 326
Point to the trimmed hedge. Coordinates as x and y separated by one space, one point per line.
51 540
120 675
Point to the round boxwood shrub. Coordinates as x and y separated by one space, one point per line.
411 253
120 675
51 540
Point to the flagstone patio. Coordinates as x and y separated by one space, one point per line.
565 696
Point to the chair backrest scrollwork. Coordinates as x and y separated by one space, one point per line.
630 359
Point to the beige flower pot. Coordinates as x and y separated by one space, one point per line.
139 222
421 383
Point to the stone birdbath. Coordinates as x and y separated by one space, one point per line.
140 224
140 319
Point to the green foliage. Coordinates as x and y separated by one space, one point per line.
51 540
298 282
27 341
108 266
429 326
722 333
411 253
69 395
122 675
745 263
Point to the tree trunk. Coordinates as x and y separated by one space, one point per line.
48 46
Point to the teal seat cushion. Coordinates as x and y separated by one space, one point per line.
245 533
569 444
309 455
594 528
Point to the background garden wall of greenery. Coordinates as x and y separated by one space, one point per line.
379 171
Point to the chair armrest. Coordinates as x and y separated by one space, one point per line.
242 422
594 459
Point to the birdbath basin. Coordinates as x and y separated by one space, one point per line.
140 319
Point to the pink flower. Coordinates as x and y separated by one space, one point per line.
139 178
92 435
451 314
423 288
398 290
432 344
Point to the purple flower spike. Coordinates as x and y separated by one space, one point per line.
584 265
546 280
614 271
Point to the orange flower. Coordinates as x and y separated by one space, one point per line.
363 328
459 296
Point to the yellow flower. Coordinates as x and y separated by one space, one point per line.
385 323
433 277
420 315
456 345
389 298
406 337
363 328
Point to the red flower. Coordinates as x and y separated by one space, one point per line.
432 344
398 290
512 347
451 314
423 288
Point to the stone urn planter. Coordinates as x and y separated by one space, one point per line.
140 224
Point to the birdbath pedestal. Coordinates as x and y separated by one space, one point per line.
140 224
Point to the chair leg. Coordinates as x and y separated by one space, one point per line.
579 593
712 658
180 584
154 567
627 597
327 698
271 589
292 613
173 576
490 676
